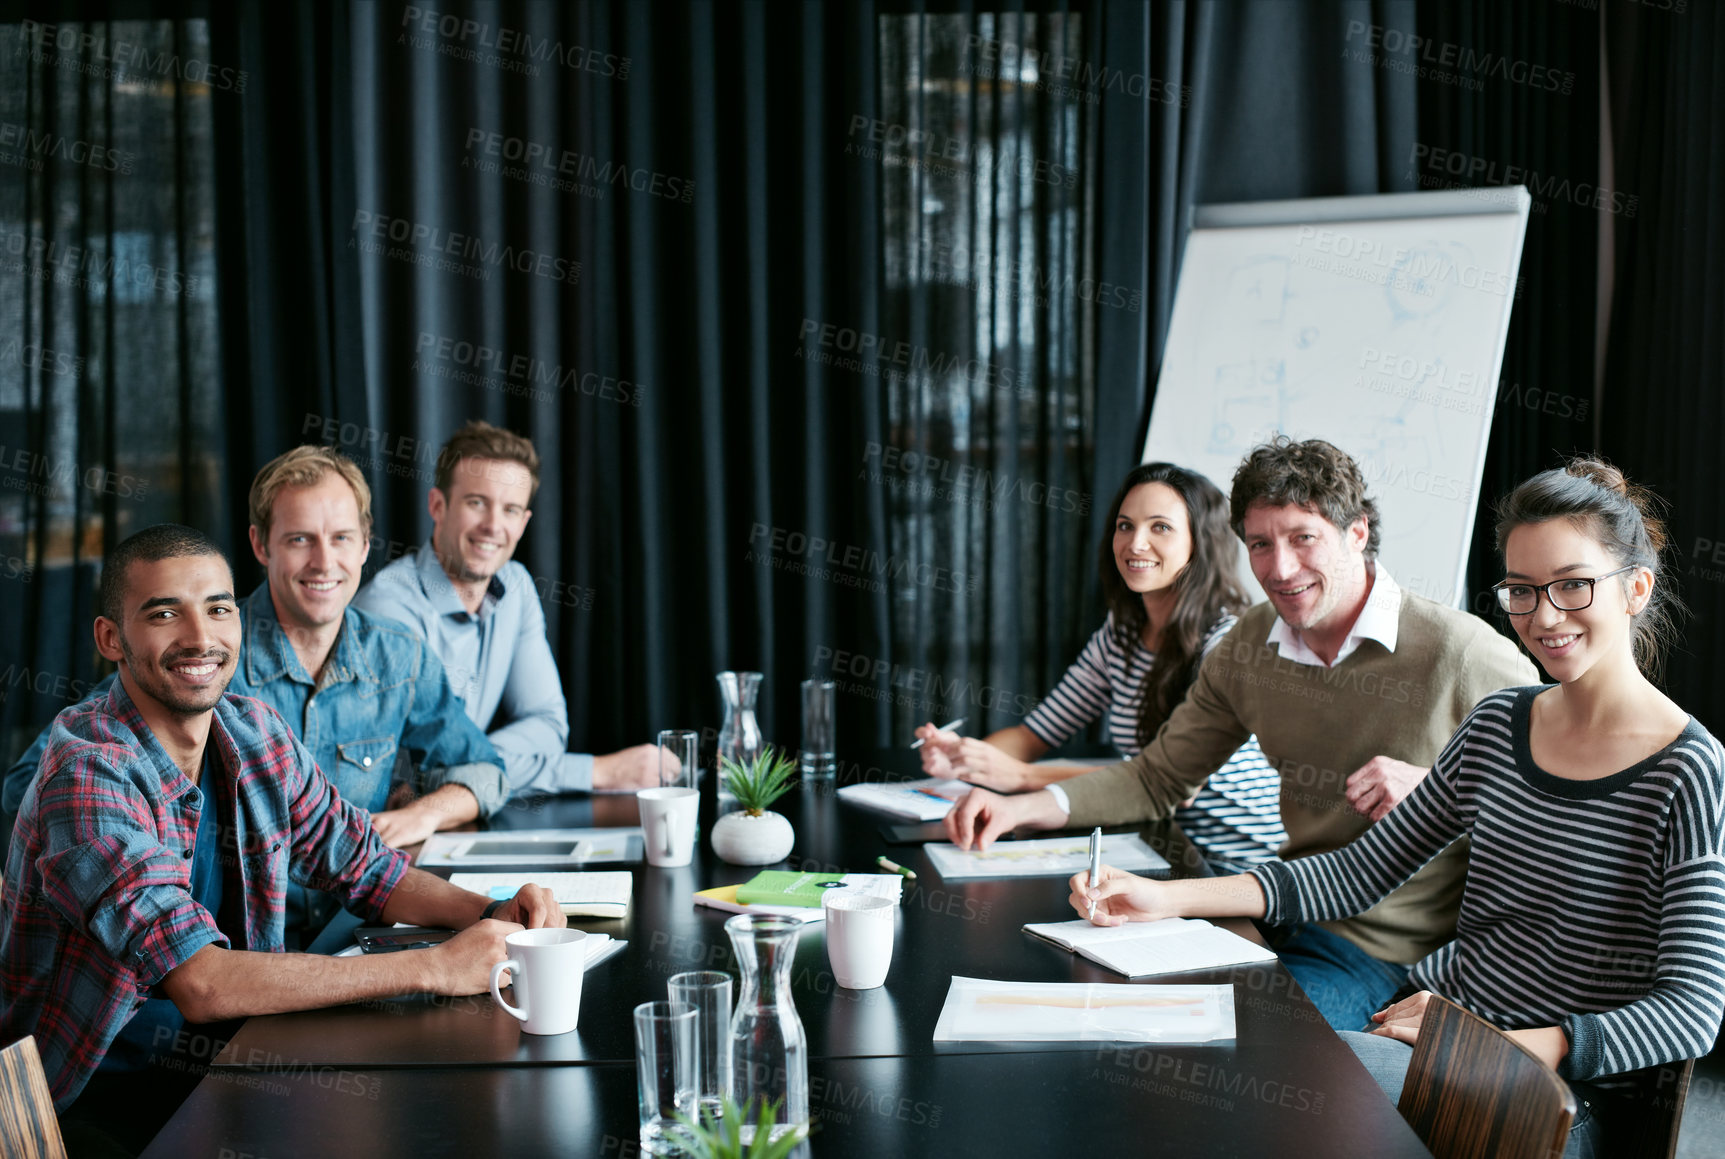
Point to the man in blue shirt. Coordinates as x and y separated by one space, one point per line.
479 611
354 688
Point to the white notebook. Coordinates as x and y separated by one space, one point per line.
592 895
929 799
1139 949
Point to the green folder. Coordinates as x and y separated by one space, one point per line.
784 887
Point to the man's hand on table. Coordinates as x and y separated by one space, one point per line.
1380 784
406 826
636 767
980 817
533 907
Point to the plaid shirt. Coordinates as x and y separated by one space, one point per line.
97 905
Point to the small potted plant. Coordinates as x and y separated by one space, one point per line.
722 1138
752 835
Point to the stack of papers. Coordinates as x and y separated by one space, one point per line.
1048 857
1170 946
925 800
872 884
983 1010
590 895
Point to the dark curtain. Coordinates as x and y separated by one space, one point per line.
110 411
1520 106
1662 416
1242 102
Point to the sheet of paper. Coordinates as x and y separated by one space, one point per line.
1171 946
929 799
1046 857
985 1010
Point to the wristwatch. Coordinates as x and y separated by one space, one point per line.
493 908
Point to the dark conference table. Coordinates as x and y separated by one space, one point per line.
423 1075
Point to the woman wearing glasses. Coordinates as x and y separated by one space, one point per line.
1168 576
1592 924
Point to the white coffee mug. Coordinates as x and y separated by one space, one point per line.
859 938
668 824
545 967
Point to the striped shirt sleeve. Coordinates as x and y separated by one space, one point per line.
1352 879
1082 694
1679 1016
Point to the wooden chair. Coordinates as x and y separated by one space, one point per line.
1472 1092
28 1128
1662 1092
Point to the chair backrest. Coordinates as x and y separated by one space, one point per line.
28 1128
1473 1092
1660 1093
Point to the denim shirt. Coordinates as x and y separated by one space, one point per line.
498 661
382 691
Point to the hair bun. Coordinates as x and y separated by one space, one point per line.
1600 473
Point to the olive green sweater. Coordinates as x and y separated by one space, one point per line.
1317 726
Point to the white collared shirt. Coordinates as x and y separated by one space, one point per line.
1378 620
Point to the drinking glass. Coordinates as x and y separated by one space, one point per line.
709 992
665 1067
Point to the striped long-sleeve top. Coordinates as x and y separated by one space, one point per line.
1595 906
1236 819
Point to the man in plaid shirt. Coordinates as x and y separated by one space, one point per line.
145 884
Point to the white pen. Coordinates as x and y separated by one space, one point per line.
947 727
1095 865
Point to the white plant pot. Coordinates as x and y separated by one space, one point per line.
744 840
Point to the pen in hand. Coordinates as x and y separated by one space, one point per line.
947 727
1095 865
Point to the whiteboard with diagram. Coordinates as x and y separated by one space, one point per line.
1377 323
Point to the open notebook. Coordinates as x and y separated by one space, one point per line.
1170 946
590 895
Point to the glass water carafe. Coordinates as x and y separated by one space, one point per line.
769 1051
740 735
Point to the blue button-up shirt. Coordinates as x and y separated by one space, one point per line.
97 907
499 661
381 691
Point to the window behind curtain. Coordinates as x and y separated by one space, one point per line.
990 400
110 409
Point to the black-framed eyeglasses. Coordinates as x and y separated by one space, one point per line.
1572 594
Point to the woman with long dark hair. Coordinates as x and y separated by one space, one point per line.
1592 925
1168 575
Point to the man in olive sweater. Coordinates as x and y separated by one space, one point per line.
1352 687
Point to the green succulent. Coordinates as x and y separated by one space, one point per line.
756 784
722 1138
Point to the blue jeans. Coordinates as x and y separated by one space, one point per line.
1345 983
1387 1059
